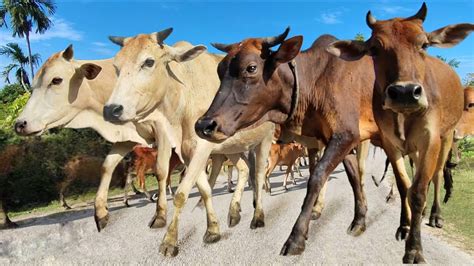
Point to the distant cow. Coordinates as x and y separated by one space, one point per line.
8 157
283 154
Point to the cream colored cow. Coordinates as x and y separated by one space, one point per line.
178 83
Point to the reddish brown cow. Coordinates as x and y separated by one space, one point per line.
283 154
306 93
7 163
417 101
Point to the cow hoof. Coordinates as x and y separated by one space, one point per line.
66 207
257 223
285 188
157 222
356 228
402 232
413 256
126 203
211 237
234 215
436 221
315 215
230 190
8 225
293 247
168 250
101 223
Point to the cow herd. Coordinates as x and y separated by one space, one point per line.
195 105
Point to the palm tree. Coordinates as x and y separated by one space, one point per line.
19 62
24 14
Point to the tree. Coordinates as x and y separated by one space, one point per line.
452 63
19 62
359 37
24 14
469 79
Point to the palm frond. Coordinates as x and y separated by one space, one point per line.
6 72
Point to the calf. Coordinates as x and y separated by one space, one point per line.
417 102
283 154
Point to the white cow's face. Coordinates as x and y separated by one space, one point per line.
144 75
54 101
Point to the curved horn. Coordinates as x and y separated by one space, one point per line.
421 14
117 40
272 41
370 20
222 47
162 35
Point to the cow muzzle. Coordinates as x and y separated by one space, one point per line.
206 128
402 97
23 128
113 112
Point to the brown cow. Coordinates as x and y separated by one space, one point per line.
282 154
417 101
307 93
8 158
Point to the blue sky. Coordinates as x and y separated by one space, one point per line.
86 24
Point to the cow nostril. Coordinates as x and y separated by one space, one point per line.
209 128
392 93
417 92
20 126
117 110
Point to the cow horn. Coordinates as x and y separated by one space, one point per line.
162 35
222 47
117 40
421 14
272 41
370 20
68 53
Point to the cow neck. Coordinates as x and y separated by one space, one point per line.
295 90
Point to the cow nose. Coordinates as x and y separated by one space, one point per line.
205 127
20 126
405 93
113 112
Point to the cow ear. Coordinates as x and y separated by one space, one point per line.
68 53
190 54
348 50
450 35
288 50
90 71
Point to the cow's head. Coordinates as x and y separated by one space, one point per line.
398 47
469 99
143 67
253 88
465 126
57 93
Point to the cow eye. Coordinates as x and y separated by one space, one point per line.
252 69
149 62
56 81
425 46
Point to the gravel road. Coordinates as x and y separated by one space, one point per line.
71 237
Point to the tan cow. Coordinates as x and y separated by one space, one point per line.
283 154
178 83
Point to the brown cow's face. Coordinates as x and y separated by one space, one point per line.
398 50
252 89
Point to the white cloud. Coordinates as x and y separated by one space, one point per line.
394 10
103 48
61 29
100 44
331 17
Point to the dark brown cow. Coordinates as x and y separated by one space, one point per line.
417 101
311 94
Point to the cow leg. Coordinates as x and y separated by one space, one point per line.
436 220
261 154
298 167
128 185
5 222
63 189
288 171
430 161
357 226
271 166
233 218
230 168
362 153
319 204
217 162
338 147
403 183
194 173
162 169
116 154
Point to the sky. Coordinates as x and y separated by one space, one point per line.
87 23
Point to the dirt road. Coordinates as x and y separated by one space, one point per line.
71 237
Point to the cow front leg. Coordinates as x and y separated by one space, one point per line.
116 154
195 170
128 186
162 169
319 204
233 218
338 147
357 227
261 154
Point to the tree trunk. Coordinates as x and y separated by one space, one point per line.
27 35
22 81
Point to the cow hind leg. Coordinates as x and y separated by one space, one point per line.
128 185
229 179
261 155
233 217
358 226
319 204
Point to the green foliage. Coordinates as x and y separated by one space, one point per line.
12 110
469 79
359 37
10 92
466 146
18 64
452 63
